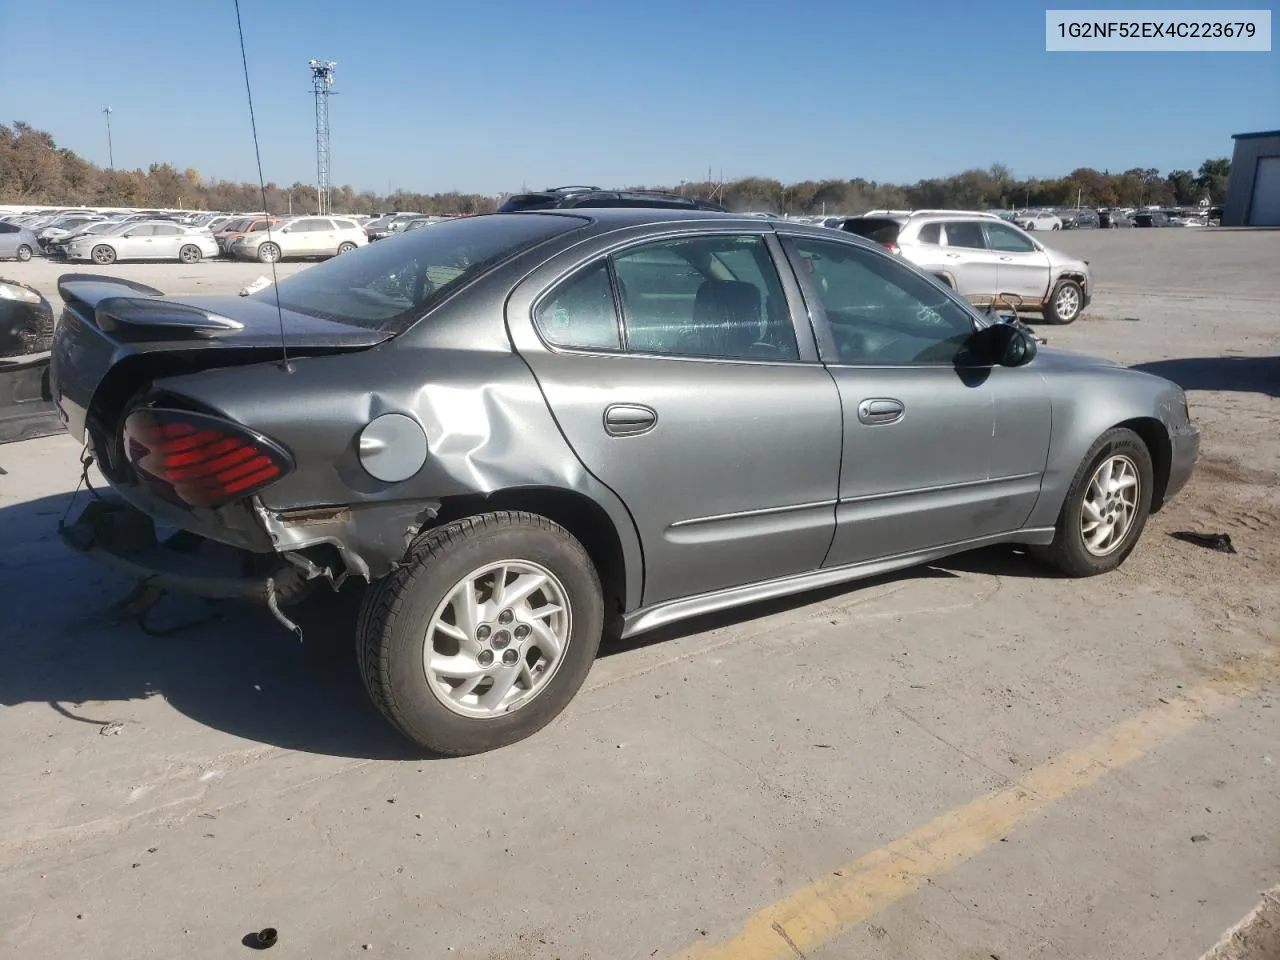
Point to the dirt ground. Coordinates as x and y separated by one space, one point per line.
971 760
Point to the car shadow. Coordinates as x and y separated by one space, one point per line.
231 666
1234 373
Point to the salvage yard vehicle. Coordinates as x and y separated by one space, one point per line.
26 334
979 256
524 431
299 237
145 240
1038 220
18 243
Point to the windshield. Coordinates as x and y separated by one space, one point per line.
390 284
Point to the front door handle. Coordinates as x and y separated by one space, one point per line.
881 410
629 419
1006 259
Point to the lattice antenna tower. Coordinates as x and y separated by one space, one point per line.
321 82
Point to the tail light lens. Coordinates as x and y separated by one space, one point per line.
893 248
200 460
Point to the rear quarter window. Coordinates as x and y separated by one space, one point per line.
930 233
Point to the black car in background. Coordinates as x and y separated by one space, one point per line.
1111 219
563 198
1151 218
1082 219
26 335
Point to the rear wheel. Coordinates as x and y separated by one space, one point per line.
1065 303
485 635
103 254
189 254
346 247
268 253
1106 507
24 253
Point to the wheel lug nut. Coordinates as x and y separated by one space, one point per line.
501 639
506 616
521 631
483 631
485 658
509 657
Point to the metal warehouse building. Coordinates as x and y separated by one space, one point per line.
1253 188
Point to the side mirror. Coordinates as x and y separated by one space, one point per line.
26 320
1003 344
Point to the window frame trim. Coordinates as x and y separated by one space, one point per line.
830 355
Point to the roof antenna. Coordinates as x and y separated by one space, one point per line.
285 365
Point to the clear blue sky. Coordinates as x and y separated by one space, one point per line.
484 96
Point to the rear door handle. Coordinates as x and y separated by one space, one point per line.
629 419
880 410
1007 259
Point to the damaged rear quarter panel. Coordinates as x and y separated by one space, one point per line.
488 429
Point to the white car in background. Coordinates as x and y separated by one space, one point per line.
300 237
1038 220
146 240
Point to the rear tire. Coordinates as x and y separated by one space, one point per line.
189 254
1079 548
414 630
24 253
1066 303
103 255
345 247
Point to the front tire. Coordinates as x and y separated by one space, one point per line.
189 254
485 634
1065 303
268 253
24 253
1106 507
103 255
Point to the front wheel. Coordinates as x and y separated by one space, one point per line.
484 635
345 247
189 254
1065 303
268 253
1106 507
103 255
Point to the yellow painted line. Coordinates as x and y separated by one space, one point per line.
816 914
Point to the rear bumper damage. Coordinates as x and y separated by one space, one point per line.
122 538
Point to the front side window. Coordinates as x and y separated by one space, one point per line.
711 296
1008 240
881 312
143 230
965 233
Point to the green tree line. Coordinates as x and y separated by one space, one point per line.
35 170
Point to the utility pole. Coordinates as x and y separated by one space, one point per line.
321 81
111 154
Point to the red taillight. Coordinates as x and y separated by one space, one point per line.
893 248
201 460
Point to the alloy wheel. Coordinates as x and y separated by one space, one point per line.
1110 505
497 639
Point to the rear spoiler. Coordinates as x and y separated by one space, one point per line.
115 311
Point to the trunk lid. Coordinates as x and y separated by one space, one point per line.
116 336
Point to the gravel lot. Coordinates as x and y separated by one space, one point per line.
972 760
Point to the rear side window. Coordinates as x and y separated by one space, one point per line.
874 228
581 312
930 233
345 224
965 233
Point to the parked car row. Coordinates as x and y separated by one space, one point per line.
103 239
